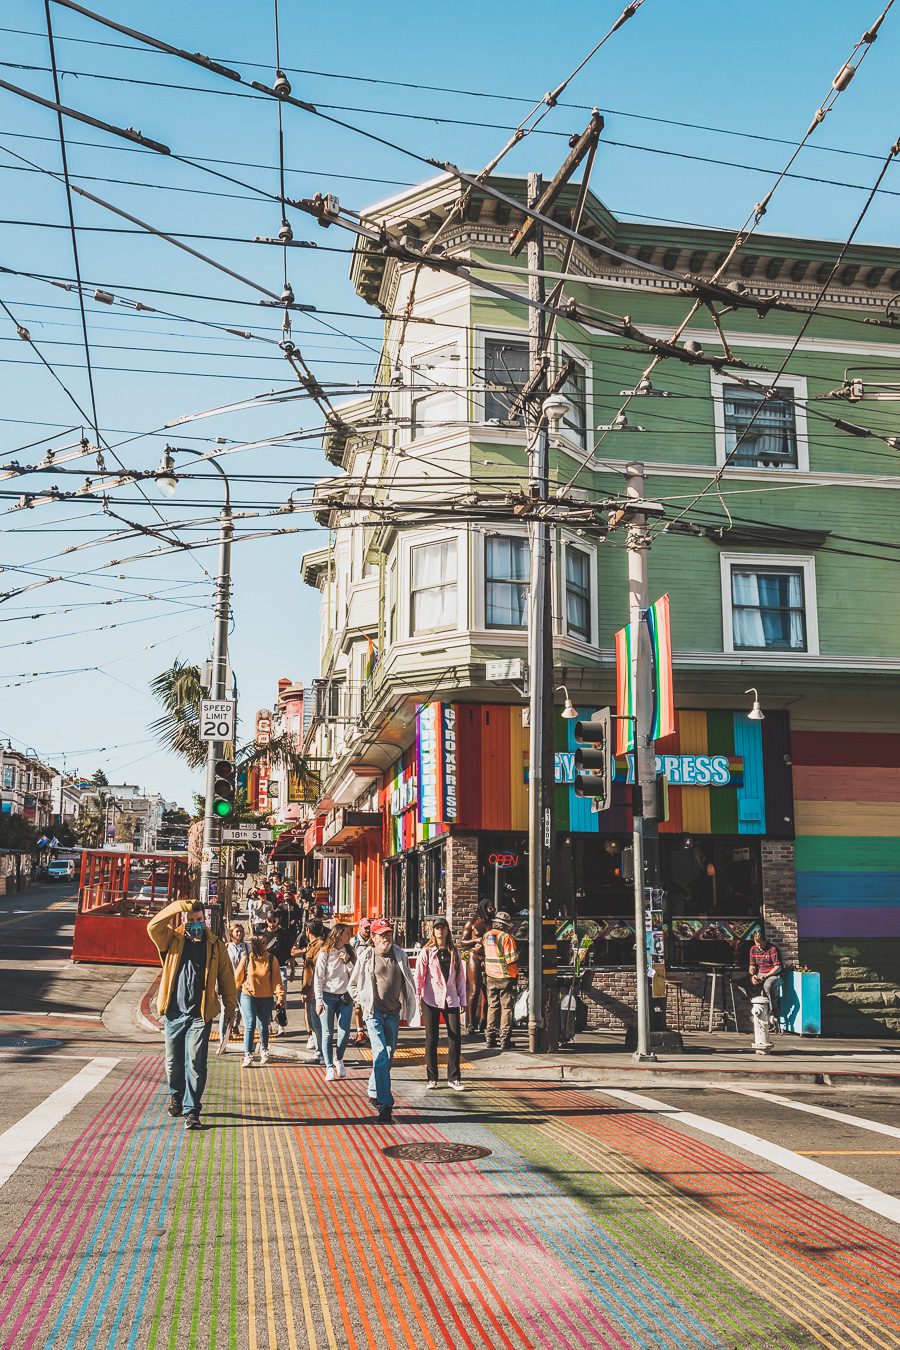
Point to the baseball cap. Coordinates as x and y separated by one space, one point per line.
381 926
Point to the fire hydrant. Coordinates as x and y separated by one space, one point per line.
761 1012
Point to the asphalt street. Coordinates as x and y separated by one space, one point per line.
596 1216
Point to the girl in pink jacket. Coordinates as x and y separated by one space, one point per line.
441 988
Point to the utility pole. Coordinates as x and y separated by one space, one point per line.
212 826
540 644
644 756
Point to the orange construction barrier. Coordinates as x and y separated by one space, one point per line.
118 893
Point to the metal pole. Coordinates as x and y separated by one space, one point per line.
540 663
496 884
644 760
212 827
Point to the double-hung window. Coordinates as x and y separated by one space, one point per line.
435 402
768 608
575 390
760 432
505 373
578 593
432 605
506 565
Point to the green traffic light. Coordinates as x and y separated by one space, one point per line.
222 808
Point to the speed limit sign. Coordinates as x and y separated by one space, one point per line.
217 719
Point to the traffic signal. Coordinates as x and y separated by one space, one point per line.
594 759
223 791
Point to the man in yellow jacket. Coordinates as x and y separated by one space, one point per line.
195 964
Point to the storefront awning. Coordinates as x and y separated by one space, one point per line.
313 837
288 848
344 825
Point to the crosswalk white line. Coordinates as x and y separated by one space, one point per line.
22 1138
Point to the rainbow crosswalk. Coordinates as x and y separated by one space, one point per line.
283 1224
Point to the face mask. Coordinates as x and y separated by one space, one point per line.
196 928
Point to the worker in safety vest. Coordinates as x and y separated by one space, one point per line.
501 970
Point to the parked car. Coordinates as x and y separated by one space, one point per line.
61 869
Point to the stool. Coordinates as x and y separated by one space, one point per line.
674 986
718 978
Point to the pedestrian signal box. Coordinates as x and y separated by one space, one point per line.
223 791
594 759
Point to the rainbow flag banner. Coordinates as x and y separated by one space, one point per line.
663 713
658 625
626 651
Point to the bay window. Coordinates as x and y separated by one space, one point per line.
433 605
506 565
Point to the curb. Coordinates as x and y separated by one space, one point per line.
124 1015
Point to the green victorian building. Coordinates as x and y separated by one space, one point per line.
783 576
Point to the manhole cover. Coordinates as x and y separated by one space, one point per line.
27 1043
436 1153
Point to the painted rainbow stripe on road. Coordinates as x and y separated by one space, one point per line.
590 1225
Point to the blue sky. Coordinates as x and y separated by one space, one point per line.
759 69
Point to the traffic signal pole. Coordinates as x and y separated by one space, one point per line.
644 751
212 826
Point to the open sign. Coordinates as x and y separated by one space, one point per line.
503 860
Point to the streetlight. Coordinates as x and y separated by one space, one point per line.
167 479
569 712
756 713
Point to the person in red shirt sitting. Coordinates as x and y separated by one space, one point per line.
765 969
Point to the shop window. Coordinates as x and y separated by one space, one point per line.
435 399
505 373
506 563
433 587
578 593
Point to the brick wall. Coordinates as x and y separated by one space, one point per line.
461 880
780 895
610 999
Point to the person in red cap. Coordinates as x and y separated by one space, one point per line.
382 985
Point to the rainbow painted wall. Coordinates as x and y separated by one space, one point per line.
847 807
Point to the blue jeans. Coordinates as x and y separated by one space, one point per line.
256 1012
383 1029
335 1009
187 1049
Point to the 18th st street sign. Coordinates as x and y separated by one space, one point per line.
246 834
217 719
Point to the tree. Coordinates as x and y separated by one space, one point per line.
126 826
90 825
180 689
20 837
99 778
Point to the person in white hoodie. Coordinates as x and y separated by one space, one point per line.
332 1002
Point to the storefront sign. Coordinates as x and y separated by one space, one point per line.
503 860
437 764
679 770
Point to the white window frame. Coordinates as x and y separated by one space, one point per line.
410 398
591 555
482 337
779 561
586 366
416 545
522 537
798 387
404 582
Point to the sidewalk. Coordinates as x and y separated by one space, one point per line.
601 1057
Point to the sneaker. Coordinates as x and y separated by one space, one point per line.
491 1043
311 1042
372 1097
174 1108
341 1070
247 1062
456 1085
330 1074
192 1121
385 1115
506 1045
314 1059
431 1084
263 1056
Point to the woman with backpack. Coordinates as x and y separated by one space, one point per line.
259 986
331 979
441 988
313 940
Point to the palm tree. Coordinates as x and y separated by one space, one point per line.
180 689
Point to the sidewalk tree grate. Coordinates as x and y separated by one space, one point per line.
27 1043
435 1153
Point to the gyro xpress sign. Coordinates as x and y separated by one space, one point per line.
436 767
678 770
